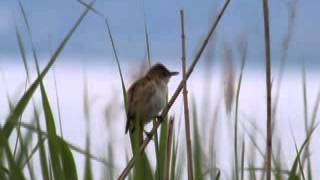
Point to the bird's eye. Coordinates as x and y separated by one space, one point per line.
164 74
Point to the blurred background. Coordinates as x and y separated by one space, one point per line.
84 86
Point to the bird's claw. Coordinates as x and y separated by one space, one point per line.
159 118
148 134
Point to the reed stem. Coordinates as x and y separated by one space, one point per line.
268 86
185 99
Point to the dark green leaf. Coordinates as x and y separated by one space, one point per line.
69 166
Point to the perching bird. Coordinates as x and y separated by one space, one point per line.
147 97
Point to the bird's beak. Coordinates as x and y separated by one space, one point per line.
174 73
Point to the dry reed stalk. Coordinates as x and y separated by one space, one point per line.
185 100
292 11
129 166
268 86
169 146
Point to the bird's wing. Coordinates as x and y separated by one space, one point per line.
139 92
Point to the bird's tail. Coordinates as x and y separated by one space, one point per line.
136 134
129 125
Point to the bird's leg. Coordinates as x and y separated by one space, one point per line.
159 118
148 134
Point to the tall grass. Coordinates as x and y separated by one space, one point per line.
46 148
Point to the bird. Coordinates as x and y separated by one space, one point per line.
147 97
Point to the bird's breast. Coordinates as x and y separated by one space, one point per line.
161 96
157 101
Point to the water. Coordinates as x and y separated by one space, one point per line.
108 120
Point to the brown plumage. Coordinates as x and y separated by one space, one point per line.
147 96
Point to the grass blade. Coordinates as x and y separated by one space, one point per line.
69 166
146 34
87 170
23 153
73 147
42 150
15 172
164 131
86 108
242 160
167 163
294 167
33 151
173 158
124 91
299 161
54 145
243 46
18 110
197 154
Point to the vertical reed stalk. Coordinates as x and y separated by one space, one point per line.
146 36
292 8
243 50
166 171
185 99
57 99
305 99
268 86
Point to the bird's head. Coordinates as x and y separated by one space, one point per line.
160 71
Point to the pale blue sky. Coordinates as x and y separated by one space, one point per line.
53 18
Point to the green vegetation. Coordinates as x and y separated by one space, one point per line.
56 155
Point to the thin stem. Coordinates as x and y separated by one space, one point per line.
185 99
268 86
146 36
57 99
305 99
243 50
